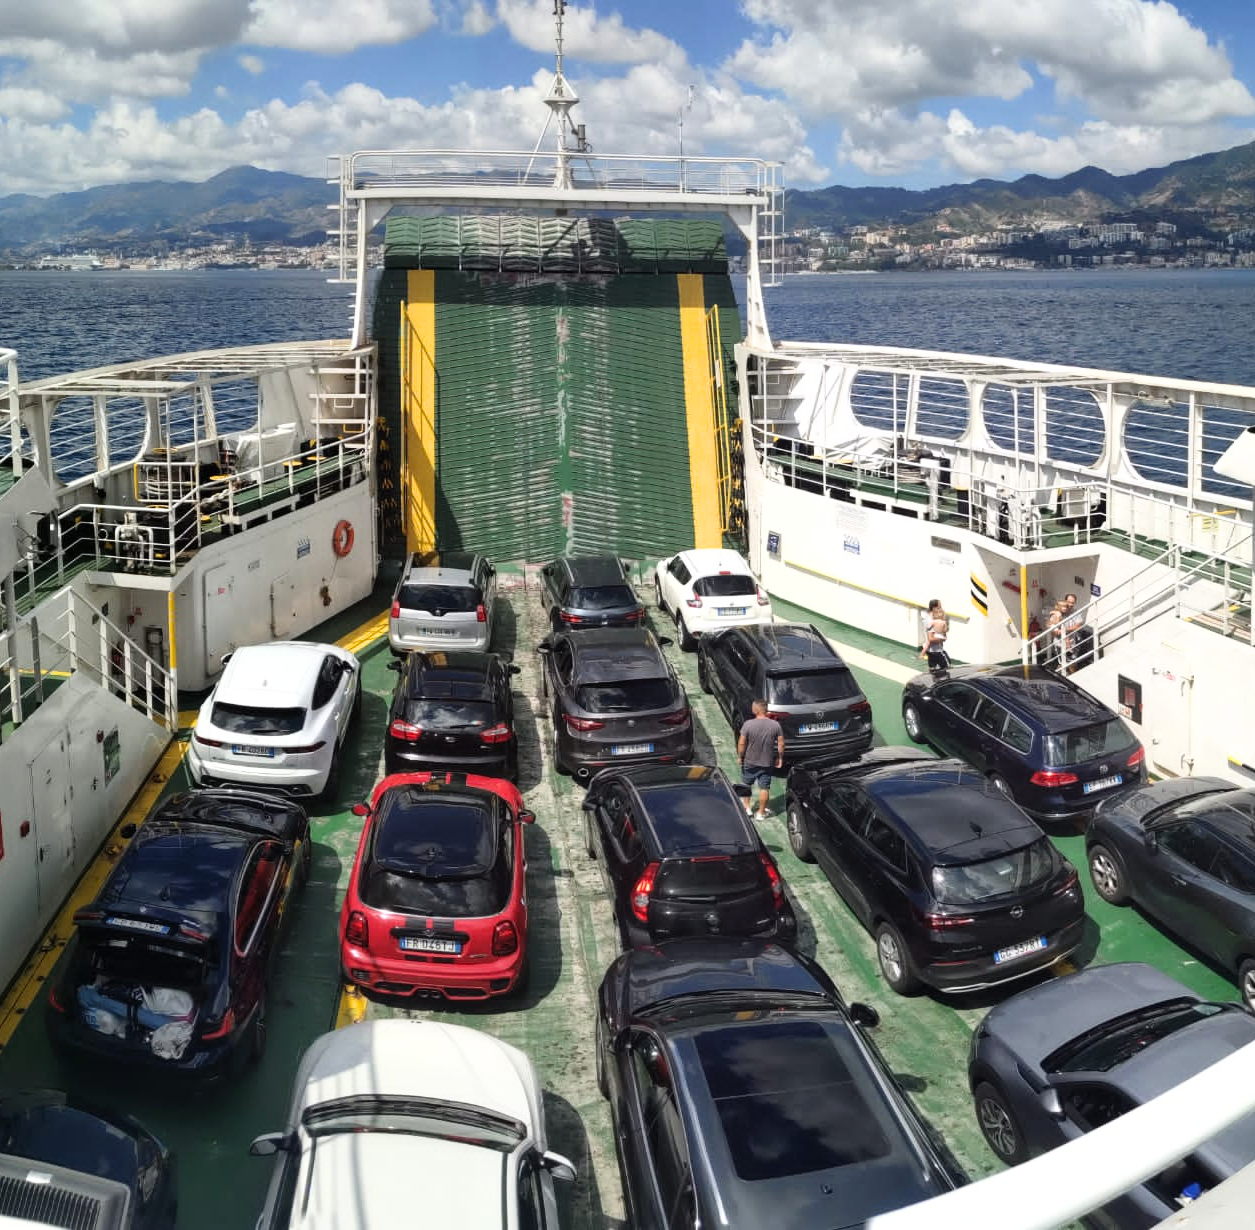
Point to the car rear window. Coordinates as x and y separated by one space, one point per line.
250 720
811 687
439 599
787 1101
450 714
696 815
729 586
718 875
1072 747
969 883
602 597
626 696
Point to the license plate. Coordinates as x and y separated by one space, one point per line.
248 749
631 749
423 943
811 728
138 924
1103 783
437 632
1019 950
730 610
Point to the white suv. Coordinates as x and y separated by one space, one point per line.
707 589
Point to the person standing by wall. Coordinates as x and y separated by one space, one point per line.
759 746
1073 637
936 628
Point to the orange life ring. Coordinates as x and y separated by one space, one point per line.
342 538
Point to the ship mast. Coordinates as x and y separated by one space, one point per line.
560 99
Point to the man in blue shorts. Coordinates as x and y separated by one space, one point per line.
759 747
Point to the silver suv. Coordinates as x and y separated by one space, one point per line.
444 600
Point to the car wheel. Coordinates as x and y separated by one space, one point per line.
524 980
682 634
703 678
1246 983
1108 877
257 1038
999 783
357 702
910 719
590 843
512 763
895 962
307 858
662 606
799 835
599 1045
555 750
998 1125
332 788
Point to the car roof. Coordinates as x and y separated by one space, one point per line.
443 673
608 654
448 561
592 569
688 807
709 561
278 675
791 647
1052 702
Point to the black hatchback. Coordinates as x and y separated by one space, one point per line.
169 965
960 888
589 591
680 856
452 711
1037 736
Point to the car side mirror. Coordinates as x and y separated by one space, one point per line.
360 809
526 816
345 667
588 804
1050 1103
226 657
270 1144
664 641
1152 842
395 664
864 1015
558 1166
544 648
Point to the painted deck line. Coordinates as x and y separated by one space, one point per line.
30 981
366 634
699 410
877 666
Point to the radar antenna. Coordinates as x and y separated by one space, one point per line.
560 99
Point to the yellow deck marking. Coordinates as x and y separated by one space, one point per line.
418 410
699 407
352 1006
366 634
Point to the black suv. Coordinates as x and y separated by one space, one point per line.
589 591
1036 735
614 700
809 690
168 966
452 711
680 856
960 888
745 1093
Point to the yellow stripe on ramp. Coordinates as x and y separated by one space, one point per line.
367 634
700 409
418 409
352 1006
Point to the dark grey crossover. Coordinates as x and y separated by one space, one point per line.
589 591
614 699
1184 851
1057 1061
680 856
960 888
1049 744
808 688
744 1092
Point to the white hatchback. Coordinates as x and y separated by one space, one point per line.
277 718
706 589
407 1122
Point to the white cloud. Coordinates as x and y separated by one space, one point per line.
84 74
123 27
337 26
587 36
475 18
251 64
37 106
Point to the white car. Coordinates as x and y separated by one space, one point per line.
406 1122
277 718
706 589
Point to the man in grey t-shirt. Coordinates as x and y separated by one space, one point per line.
759 747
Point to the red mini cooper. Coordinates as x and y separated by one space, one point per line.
436 904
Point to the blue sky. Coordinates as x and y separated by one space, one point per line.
890 92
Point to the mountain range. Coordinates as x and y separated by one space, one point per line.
1209 193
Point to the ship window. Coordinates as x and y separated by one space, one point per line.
941 411
72 438
1008 415
1156 438
1221 426
1075 431
878 399
127 425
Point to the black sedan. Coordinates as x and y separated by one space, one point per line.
1063 1058
960 888
452 710
1184 851
745 1093
614 700
168 966
85 1152
680 856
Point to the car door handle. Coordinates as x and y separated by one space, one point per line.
1180 881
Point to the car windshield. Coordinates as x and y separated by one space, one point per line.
439 599
251 720
969 883
602 597
450 714
811 687
1115 1042
725 585
625 696
470 1125
1072 747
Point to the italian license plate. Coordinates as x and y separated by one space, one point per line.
138 924
811 728
631 749
729 610
1019 950
424 943
249 749
1103 783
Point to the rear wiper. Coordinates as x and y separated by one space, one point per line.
736 847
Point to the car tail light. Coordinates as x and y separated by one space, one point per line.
675 719
505 939
694 602
398 728
481 614
1053 777
199 738
568 618
1138 756
500 733
642 892
635 617
356 932
309 747
773 876
53 1002
228 1024
763 600
191 932
395 612
83 916
939 922
574 723
1069 885
776 715
861 708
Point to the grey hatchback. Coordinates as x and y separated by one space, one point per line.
444 600
589 591
1057 1061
